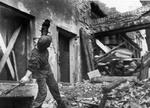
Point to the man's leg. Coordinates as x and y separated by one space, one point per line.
42 93
53 87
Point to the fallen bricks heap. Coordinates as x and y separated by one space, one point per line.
126 94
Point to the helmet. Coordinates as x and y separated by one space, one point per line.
44 42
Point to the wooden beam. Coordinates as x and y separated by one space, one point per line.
105 55
102 46
15 66
3 46
9 48
131 42
83 39
112 78
122 30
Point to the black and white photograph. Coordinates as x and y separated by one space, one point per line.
74 53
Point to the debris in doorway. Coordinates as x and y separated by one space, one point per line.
118 62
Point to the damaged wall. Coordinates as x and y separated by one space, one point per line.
62 14
47 9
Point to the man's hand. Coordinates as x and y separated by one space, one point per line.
24 80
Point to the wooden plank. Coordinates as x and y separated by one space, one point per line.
15 66
82 33
130 42
9 48
90 52
112 78
107 89
3 46
145 66
107 54
113 85
102 46
122 30
86 50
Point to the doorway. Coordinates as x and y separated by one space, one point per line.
64 58
64 38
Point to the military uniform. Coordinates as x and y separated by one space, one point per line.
41 70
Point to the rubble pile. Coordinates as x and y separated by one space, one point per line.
120 60
130 95
84 92
117 57
118 63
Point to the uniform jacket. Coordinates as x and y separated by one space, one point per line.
38 63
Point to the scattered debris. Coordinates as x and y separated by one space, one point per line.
83 93
117 94
130 94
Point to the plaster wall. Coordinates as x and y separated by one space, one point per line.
62 14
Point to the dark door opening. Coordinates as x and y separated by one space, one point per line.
64 46
64 58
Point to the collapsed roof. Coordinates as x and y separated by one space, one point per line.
128 21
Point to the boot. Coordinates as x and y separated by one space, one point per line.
62 105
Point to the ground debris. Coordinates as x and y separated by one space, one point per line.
83 93
129 94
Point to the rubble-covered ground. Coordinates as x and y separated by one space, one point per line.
133 94
84 92
130 95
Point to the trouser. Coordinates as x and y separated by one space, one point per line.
42 90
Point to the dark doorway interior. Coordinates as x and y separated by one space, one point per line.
64 38
64 58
